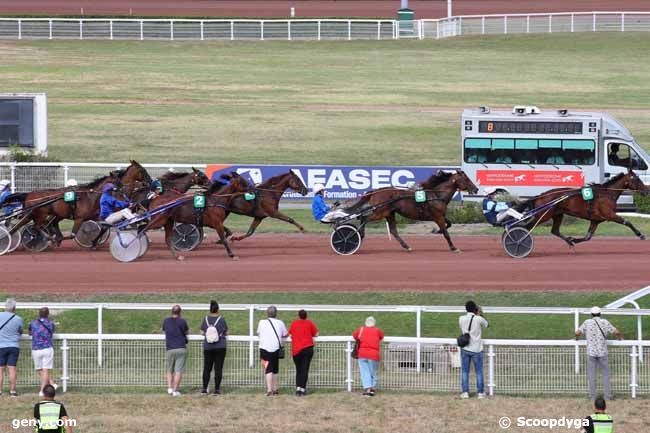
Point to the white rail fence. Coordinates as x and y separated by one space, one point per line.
526 367
314 29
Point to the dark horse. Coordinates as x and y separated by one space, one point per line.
218 199
600 209
86 204
173 185
440 188
266 201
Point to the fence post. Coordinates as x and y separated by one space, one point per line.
251 346
550 23
378 30
505 24
572 22
232 30
527 23
576 323
633 368
50 29
141 30
100 331
639 330
81 29
437 29
289 30
483 25
64 362
171 30
66 171
13 177
623 21
349 30
202 30
348 363
491 369
418 334
421 29
319 30
110 25
460 26
262 30
593 24
20 29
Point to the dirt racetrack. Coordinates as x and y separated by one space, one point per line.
271 262
308 8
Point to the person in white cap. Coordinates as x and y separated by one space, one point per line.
71 182
320 210
496 212
596 331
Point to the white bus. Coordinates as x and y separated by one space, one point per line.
526 151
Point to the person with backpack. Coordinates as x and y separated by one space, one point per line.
11 328
42 330
595 331
214 328
471 347
271 332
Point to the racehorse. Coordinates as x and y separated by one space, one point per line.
266 201
439 188
86 204
173 185
218 199
597 210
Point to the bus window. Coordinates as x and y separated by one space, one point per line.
620 155
502 151
579 152
477 150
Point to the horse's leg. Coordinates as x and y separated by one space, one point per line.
222 236
441 220
436 231
256 222
392 226
75 228
58 235
619 220
555 230
282 217
593 225
169 233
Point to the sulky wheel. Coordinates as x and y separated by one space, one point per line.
186 237
16 239
88 233
35 239
518 242
144 244
125 247
5 240
345 240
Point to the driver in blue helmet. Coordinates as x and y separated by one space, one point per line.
496 212
112 210
5 192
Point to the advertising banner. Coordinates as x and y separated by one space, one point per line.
544 178
341 182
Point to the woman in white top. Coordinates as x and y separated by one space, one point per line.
271 331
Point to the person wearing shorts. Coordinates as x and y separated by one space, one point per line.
42 331
271 331
11 328
176 331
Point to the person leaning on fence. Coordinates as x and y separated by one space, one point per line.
271 331
369 354
595 331
11 328
176 331
302 333
42 330
214 329
599 421
50 415
472 324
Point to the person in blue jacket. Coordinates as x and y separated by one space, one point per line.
494 211
318 207
112 210
5 191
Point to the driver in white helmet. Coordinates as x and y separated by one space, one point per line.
496 212
71 183
321 211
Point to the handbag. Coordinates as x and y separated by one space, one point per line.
281 350
464 339
357 343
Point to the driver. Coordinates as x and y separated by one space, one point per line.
113 210
496 212
5 191
320 210
614 159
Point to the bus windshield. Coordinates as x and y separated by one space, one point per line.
531 151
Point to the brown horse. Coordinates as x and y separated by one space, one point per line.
173 185
440 188
600 209
86 204
218 199
266 201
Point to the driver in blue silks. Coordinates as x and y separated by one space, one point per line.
5 191
495 212
320 210
113 210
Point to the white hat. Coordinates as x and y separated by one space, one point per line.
490 190
71 182
318 188
4 183
370 321
595 311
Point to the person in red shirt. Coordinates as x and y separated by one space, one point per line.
369 354
302 333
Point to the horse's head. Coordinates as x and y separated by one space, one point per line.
199 178
296 184
634 183
239 183
463 182
135 173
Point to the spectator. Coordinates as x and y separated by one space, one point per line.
11 328
270 332
472 323
302 333
176 331
214 329
595 331
369 354
41 330
51 415
599 422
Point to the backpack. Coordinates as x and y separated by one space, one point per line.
212 334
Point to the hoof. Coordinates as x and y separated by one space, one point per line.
408 249
180 258
235 258
642 237
456 251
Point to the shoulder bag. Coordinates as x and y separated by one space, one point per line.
357 343
464 339
281 350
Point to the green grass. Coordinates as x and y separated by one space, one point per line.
393 102
396 324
